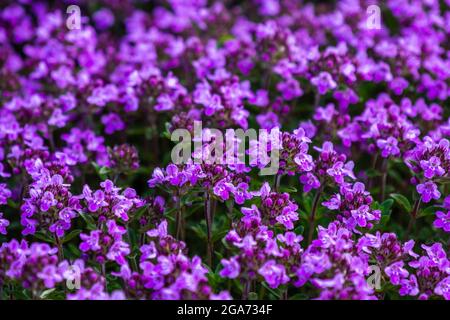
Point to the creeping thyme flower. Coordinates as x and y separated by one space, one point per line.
428 191
5 193
275 208
3 224
442 220
106 244
353 206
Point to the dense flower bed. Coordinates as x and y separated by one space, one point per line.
93 207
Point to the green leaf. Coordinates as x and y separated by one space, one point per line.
101 171
219 235
386 206
272 291
299 296
304 215
139 212
372 173
199 231
72 234
299 230
288 189
429 211
41 236
12 204
252 296
90 222
402 201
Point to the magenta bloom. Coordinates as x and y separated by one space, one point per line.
396 272
324 82
274 274
231 268
409 286
432 167
428 191
442 220
388 147
3 224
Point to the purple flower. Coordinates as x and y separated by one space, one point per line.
47 201
112 123
268 120
90 242
409 286
115 230
340 170
118 251
223 189
164 103
290 89
396 272
309 182
94 200
160 231
398 85
442 220
274 274
5 194
58 119
231 268
432 167
443 288
325 114
102 95
251 216
304 161
428 191
334 203
287 217
324 82
50 276
388 147
241 193
437 255
362 215
29 224
408 248
3 224
103 18
59 227
260 98
447 203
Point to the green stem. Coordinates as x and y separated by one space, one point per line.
312 217
60 248
413 219
383 179
178 217
208 219
246 291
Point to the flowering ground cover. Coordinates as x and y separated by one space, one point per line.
354 94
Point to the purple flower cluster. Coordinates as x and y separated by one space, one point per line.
353 205
50 204
422 276
333 264
261 252
109 202
165 272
